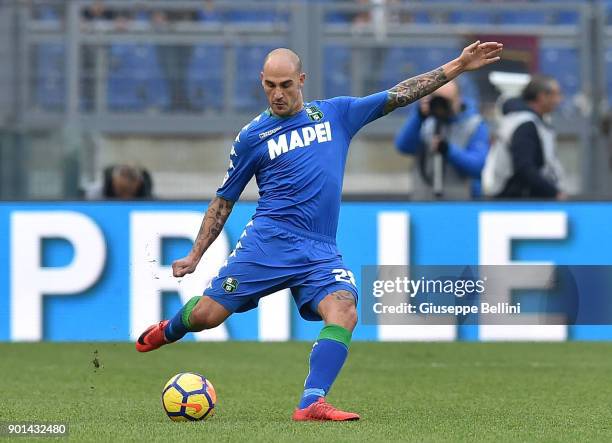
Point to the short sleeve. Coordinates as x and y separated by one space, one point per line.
242 166
356 112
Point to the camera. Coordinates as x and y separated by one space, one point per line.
440 108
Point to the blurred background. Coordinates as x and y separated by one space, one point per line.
166 84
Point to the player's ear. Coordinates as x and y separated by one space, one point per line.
261 77
302 78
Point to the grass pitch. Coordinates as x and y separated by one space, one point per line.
404 391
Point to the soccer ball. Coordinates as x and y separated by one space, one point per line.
189 397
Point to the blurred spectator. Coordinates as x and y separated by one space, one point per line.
122 182
451 140
49 13
159 20
363 17
397 16
97 12
523 162
122 22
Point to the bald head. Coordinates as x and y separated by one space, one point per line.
282 79
283 59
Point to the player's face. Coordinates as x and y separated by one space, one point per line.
283 87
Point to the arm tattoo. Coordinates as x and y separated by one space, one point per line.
414 88
216 216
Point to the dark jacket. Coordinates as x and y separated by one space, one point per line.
528 160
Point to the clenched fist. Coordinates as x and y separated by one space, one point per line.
184 266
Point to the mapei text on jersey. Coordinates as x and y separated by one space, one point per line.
299 138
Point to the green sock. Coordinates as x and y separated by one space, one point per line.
179 325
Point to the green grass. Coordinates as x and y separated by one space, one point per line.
404 391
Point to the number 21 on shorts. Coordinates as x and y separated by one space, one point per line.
344 275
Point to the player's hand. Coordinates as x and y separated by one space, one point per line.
479 54
184 266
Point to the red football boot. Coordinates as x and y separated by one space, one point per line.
152 338
321 410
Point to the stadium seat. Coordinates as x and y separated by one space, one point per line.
337 80
608 8
422 18
248 93
238 16
524 18
400 63
566 18
337 17
142 16
50 78
563 17
472 17
48 14
608 58
429 16
135 81
468 86
563 64
205 78
255 16
208 16
437 56
332 16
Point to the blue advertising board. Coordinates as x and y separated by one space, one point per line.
79 271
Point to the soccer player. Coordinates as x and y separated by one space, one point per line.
297 152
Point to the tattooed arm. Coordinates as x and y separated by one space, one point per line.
216 216
414 88
473 57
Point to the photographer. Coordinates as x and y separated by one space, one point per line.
451 141
523 162
121 182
